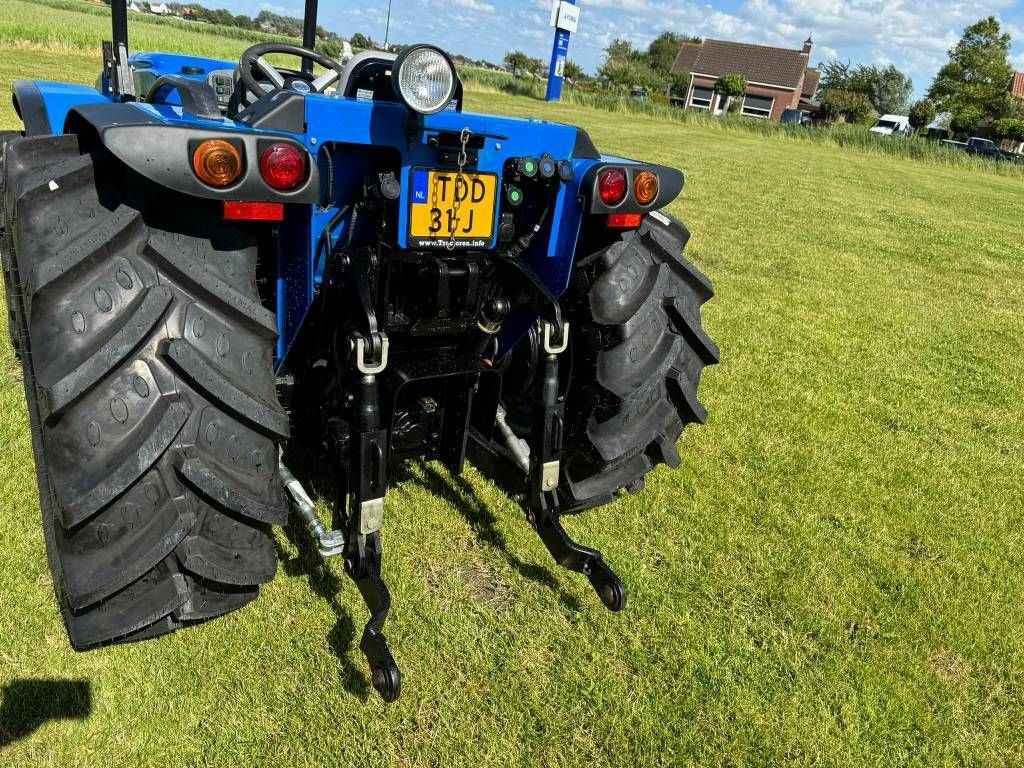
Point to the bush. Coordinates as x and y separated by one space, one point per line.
966 120
731 85
921 114
329 47
1009 128
848 106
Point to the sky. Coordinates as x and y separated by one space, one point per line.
912 35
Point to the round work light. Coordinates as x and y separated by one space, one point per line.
424 78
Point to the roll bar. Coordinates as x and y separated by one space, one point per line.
115 52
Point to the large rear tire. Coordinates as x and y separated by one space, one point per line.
148 370
638 350
12 319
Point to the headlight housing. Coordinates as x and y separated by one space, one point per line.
424 78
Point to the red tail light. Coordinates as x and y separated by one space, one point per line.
611 186
283 166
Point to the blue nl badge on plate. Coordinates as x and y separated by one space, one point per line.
419 186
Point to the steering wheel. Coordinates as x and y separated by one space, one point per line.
252 61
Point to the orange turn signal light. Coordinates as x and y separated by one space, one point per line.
645 187
217 162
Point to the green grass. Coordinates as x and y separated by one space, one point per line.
834 577
838 134
74 26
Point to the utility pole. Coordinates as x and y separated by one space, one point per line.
387 26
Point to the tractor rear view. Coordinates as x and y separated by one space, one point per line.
216 269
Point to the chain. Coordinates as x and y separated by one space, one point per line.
464 140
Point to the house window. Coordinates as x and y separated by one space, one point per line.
757 106
701 97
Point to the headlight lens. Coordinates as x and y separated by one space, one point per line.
424 78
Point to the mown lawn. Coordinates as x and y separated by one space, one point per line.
834 576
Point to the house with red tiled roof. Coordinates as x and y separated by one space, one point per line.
1017 84
777 78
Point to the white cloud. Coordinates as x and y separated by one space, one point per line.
475 5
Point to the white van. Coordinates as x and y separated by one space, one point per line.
892 125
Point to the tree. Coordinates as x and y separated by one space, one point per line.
624 67
835 76
679 84
922 113
621 50
730 85
1010 129
537 67
973 81
573 71
887 88
663 50
359 41
848 106
329 47
517 61
626 74
966 119
890 90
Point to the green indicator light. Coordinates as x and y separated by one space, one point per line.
529 167
515 196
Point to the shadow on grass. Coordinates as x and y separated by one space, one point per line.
344 636
27 704
463 497
317 477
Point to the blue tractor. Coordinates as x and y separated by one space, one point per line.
217 269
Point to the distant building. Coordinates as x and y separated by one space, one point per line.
1017 84
777 78
160 9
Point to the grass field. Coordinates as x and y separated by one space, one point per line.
834 577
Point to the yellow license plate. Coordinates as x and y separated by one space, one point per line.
440 207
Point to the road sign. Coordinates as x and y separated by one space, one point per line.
565 18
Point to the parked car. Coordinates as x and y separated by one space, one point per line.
638 93
795 116
983 147
892 125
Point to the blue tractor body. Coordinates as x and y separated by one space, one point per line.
215 269
331 120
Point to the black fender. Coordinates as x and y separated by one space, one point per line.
162 152
29 104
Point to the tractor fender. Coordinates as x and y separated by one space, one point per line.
42 106
162 151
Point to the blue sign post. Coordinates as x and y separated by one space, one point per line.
565 21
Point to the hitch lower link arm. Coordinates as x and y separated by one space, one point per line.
542 502
363 498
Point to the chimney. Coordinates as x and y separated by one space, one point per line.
808 44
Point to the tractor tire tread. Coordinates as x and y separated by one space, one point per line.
640 352
147 360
